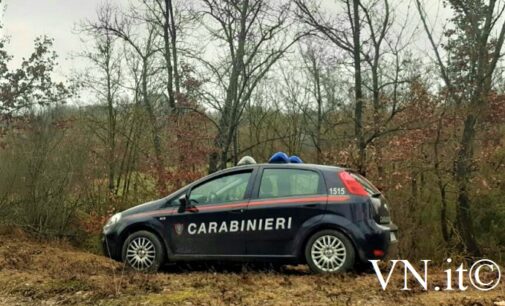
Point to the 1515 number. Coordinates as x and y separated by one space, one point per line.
337 190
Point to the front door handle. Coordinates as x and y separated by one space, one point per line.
310 205
237 211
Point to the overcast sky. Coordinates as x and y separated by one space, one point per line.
24 20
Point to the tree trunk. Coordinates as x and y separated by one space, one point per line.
441 186
462 175
173 36
159 162
111 159
377 111
358 110
168 57
228 120
319 98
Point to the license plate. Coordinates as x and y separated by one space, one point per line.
393 236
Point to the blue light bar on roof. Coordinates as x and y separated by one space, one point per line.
282 158
295 160
279 158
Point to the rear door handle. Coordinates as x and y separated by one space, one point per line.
310 205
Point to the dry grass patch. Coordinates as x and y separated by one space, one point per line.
36 272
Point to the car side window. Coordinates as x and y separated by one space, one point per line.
227 188
175 202
288 182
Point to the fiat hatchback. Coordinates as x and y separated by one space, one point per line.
330 218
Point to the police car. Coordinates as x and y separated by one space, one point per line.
284 211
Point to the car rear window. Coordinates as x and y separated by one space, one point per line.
288 182
369 187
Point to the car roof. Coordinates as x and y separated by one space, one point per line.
265 165
287 166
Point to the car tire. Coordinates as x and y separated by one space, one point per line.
143 251
329 251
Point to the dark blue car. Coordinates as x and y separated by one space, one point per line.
328 217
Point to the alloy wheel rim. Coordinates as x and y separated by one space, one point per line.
328 253
140 253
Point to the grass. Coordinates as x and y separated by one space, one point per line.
38 272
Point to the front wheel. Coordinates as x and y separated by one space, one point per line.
143 251
329 251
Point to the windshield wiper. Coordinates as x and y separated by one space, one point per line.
376 195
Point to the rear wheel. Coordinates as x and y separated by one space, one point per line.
143 251
329 251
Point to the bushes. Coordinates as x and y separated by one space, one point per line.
54 176
42 176
54 180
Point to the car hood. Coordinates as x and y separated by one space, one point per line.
149 206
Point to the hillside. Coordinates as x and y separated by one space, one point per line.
45 273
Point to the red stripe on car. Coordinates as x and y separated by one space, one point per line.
301 200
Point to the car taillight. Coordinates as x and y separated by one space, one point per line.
351 184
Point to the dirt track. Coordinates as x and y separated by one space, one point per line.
36 273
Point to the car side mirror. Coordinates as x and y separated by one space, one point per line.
183 200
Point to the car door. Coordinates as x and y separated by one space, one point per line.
283 199
220 200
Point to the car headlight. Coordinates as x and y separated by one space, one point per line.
113 220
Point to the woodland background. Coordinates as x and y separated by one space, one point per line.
175 89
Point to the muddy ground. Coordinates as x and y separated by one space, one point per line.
48 273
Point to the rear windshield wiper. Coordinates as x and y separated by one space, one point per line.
376 195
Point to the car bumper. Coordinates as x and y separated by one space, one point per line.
111 246
377 241
392 251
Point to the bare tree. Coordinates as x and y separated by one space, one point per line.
254 32
314 68
104 80
474 49
321 82
143 45
363 31
348 38
162 15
